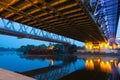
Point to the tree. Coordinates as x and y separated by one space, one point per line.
43 46
72 49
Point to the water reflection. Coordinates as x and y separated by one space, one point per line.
15 61
54 72
109 67
89 64
51 62
42 67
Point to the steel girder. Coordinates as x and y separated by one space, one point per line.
8 27
106 15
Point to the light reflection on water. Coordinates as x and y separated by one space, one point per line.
61 71
17 62
108 65
12 61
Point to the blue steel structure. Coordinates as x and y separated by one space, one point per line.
8 27
106 13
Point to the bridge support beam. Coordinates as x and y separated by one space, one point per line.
8 27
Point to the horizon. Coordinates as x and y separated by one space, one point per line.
15 42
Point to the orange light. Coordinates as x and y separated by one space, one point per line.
110 47
89 65
111 60
88 45
102 62
91 61
105 67
98 60
86 61
107 62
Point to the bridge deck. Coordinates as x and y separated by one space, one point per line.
65 17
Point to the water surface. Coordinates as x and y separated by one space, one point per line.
49 67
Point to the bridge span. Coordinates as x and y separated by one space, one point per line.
8 27
83 20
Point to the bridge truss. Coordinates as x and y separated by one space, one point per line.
8 27
106 13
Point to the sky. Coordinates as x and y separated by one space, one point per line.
15 42
118 29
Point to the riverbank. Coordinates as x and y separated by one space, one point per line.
37 51
9 75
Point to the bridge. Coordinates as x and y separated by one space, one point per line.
8 27
92 21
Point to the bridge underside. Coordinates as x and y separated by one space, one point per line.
65 17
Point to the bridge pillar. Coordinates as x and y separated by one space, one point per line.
112 42
111 39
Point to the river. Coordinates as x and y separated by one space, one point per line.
48 67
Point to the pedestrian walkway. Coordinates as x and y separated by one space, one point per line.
8 75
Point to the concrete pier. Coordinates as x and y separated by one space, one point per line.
8 75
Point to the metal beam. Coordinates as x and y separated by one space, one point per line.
15 29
